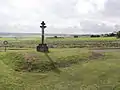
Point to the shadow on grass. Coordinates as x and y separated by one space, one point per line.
55 68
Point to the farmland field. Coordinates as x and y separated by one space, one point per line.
69 66
83 42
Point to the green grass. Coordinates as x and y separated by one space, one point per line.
64 39
7 39
18 38
84 39
96 73
32 42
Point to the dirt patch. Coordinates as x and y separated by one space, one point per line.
30 57
96 55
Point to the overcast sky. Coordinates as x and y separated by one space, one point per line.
61 16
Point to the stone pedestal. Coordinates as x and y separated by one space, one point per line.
42 48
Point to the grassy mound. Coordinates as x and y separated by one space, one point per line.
42 62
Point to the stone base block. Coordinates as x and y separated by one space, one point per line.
42 48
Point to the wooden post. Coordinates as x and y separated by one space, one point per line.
5 48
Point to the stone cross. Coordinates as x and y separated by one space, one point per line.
42 47
43 27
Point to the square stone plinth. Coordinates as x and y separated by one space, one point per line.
42 48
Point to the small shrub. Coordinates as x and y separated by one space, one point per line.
118 34
55 36
76 36
95 35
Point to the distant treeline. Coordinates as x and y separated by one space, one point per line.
95 36
108 35
105 35
55 37
116 34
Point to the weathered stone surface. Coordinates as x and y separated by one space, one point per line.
42 48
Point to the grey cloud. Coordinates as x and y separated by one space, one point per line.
96 27
64 8
61 12
19 28
112 8
67 30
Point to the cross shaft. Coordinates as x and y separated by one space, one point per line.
43 27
